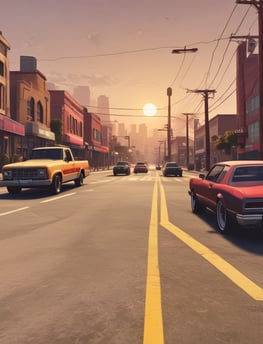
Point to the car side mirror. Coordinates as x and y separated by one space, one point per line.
202 175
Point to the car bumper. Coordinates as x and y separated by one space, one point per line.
173 172
26 183
120 171
249 219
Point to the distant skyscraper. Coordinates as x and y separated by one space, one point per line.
143 133
104 109
122 130
82 95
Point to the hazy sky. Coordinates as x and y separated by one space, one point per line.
122 49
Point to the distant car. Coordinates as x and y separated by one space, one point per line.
158 167
233 190
122 167
172 169
140 167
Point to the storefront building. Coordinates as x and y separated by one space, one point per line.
65 108
30 105
248 102
11 131
96 152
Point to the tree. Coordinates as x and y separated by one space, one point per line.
56 127
226 141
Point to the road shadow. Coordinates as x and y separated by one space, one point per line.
249 239
35 193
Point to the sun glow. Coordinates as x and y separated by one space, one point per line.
149 109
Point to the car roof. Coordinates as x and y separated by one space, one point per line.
240 162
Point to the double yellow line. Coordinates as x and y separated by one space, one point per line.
153 321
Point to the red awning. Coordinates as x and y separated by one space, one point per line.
73 139
101 149
9 125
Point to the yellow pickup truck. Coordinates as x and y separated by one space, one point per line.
48 167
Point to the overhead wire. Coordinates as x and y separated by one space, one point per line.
217 40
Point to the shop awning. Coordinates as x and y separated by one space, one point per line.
35 130
101 149
73 139
9 125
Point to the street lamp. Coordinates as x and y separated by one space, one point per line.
178 51
159 152
187 138
184 50
169 94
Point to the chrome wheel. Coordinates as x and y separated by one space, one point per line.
56 184
195 204
222 217
79 180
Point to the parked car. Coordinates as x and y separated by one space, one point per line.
172 169
233 190
140 167
48 167
122 167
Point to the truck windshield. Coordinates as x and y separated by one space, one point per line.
53 154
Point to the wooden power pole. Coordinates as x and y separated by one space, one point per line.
205 94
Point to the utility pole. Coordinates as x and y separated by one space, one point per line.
205 94
259 6
187 137
169 94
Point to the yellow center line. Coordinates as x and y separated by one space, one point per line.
153 321
227 269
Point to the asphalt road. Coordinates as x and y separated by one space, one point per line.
122 260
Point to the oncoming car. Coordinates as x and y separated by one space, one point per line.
233 190
122 167
140 167
172 169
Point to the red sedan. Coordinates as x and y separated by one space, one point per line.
233 190
140 167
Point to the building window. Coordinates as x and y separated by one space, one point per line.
31 109
3 49
96 135
2 68
40 116
253 105
253 132
2 96
200 143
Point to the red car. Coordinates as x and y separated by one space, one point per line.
140 167
233 190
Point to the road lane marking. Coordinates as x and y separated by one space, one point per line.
56 198
243 282
153 320
13 211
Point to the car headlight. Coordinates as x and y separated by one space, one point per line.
41 173
7 174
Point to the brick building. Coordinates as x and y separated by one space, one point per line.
30 105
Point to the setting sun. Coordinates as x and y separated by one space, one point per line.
149 109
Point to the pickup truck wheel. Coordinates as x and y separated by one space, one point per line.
196 206
56 184
13 189
223 219
79 180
